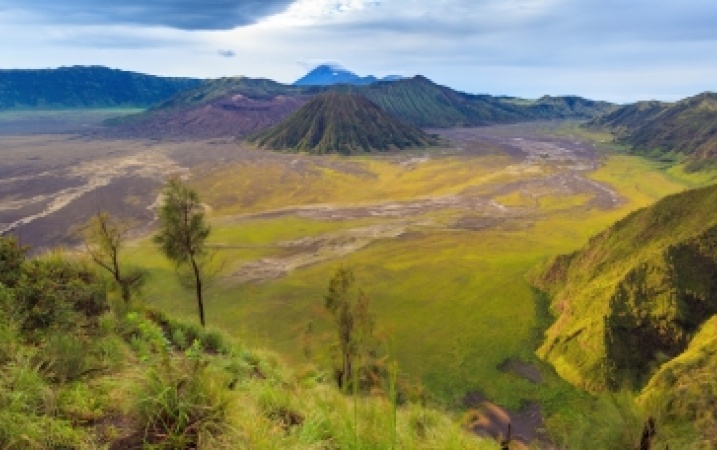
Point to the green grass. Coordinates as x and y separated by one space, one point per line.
163 384
339 180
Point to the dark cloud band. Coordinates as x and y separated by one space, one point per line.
181 14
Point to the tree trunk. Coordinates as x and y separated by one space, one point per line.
198 287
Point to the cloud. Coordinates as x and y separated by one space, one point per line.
227 53
180 14
608 49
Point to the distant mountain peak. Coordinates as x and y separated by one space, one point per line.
330 74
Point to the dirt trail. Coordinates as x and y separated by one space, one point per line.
308 251
90 176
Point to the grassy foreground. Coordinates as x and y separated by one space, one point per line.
81 369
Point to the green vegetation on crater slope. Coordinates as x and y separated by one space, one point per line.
341 123
683 130
635 297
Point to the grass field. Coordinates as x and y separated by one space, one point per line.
453 303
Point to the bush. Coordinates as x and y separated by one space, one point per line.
28 413
57 294
182 402
12 257
65 357
182 334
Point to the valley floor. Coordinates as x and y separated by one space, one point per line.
440 239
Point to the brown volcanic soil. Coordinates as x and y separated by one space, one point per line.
233 116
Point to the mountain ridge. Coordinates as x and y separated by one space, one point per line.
684 130
85 87
210 110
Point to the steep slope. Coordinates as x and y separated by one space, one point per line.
687 128
687 383
636 295
341 123
85 87
628 117
327 75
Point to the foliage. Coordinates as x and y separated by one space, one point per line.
57 294
153 390
12 256
181 402
104 237
356 359
183 233
28 418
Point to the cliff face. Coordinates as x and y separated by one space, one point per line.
636 296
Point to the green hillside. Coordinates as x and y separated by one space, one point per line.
626 118
636 295
341 123
81 369
85 87
687 383
683 130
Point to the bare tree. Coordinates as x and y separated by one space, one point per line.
104 237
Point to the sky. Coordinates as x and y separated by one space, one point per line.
616 50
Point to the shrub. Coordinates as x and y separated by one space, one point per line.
57 294
12 257
182 402
65 357
28 413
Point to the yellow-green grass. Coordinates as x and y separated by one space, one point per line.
453 304
575 129
268 185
